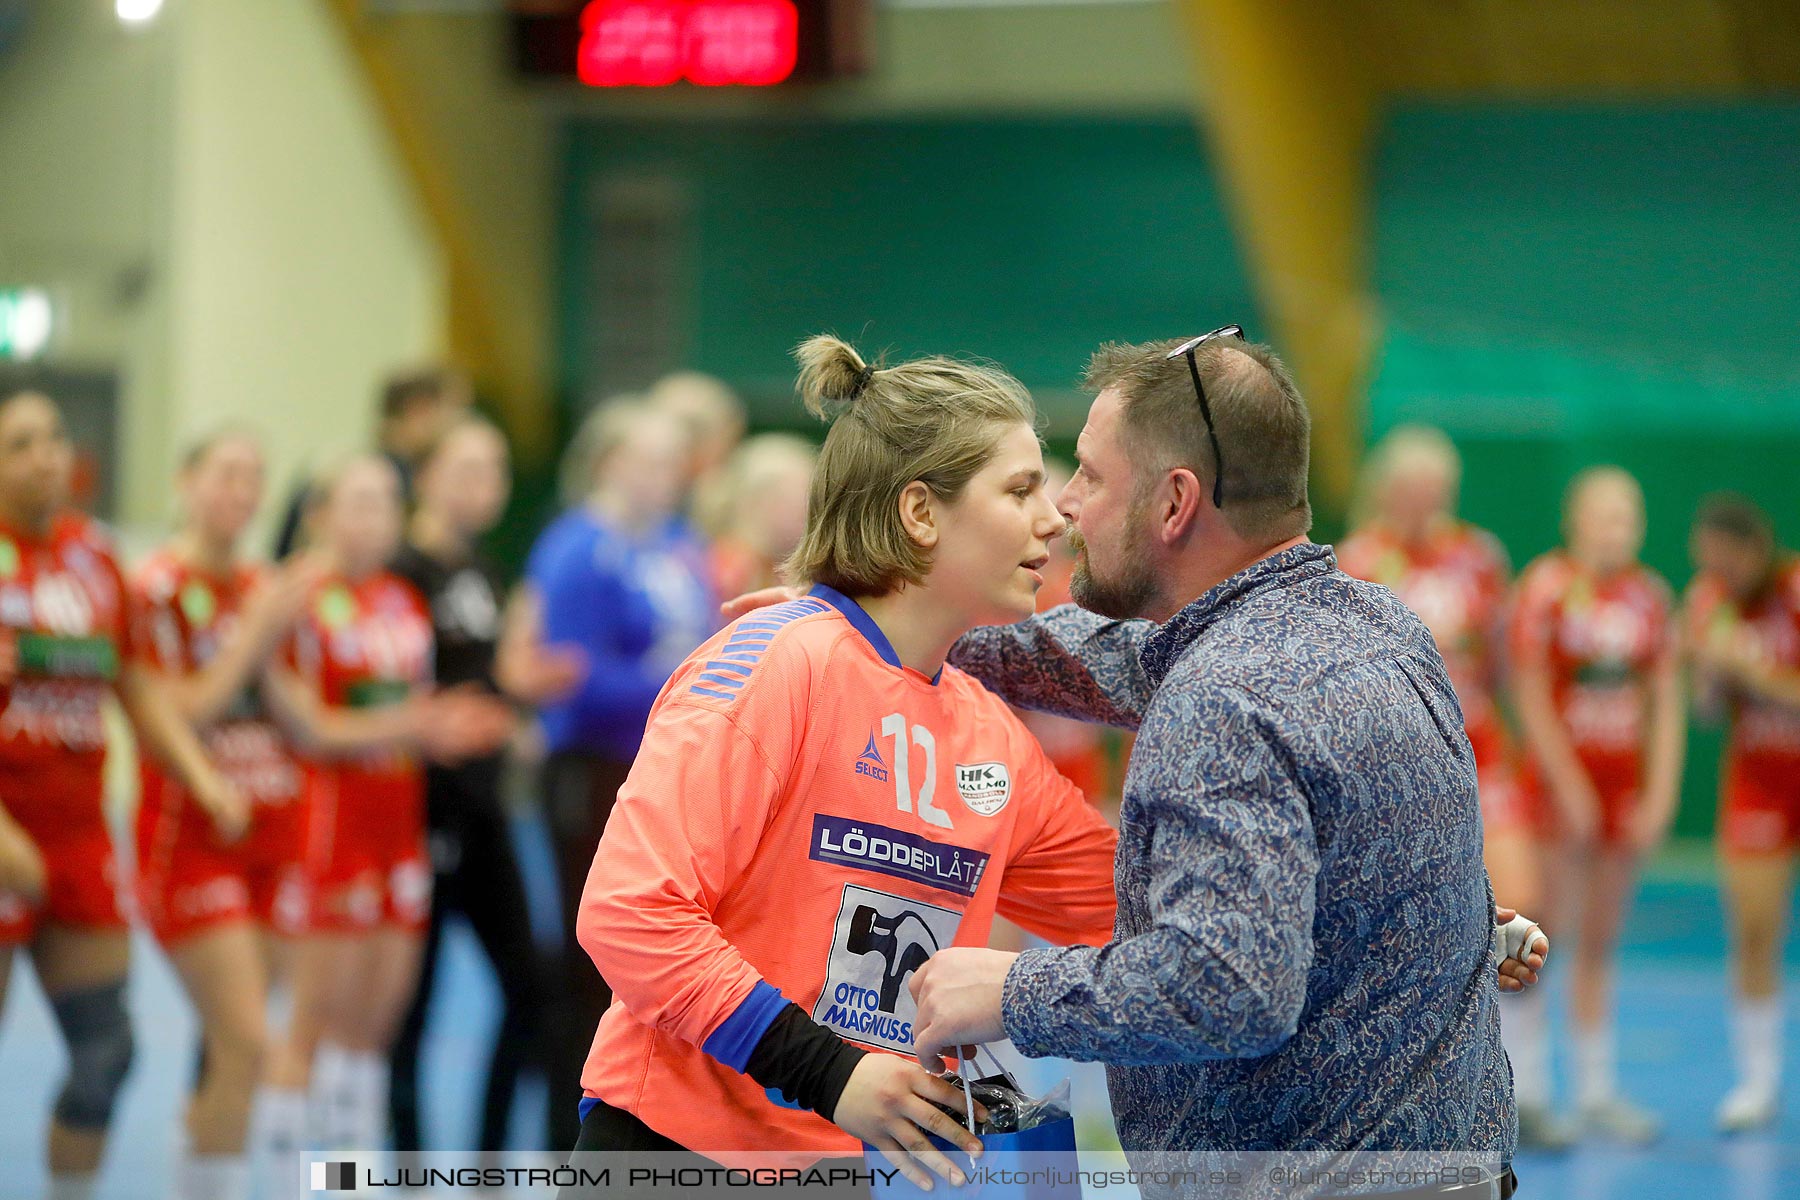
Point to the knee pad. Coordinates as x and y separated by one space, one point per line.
98 1033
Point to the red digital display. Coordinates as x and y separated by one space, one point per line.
654 43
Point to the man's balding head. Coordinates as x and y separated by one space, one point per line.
1262 425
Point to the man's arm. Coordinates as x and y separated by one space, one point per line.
1232 867
1067 661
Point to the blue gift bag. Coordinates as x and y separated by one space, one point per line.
1038 1163
1034 1164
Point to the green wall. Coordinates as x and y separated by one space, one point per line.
1027 241
1579 285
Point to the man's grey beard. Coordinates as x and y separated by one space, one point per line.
1128 594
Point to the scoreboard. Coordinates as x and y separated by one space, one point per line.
706 43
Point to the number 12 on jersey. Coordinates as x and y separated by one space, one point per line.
894 726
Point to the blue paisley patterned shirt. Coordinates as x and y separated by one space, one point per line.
1302 959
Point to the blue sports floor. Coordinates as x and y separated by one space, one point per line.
1673 1058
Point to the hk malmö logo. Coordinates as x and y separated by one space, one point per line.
869 762
333 1177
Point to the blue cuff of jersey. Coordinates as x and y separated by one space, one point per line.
735 1040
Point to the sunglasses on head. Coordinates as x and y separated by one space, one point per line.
1186 349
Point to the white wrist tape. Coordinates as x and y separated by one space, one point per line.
1512 938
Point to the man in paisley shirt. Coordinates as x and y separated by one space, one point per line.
1302 953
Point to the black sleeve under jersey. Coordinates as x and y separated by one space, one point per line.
804 1061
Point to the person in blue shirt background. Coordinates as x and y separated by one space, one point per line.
620 582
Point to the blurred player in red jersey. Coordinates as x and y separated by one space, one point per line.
353 689
209 621
66 641
1743 634
1455 576
820 803
1598 685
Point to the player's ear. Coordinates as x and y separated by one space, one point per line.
916 515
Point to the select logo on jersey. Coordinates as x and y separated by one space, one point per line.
870 762
878 942
985 787
898 853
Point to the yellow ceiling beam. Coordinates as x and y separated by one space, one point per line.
1288 116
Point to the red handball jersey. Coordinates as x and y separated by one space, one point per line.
1601 639
64 606
808 814
187 878
1759 785
1769 627
64 610
365 644
185 615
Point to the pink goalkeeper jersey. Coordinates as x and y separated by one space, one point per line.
808 814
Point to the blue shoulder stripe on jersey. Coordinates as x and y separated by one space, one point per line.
587 1106
735 1039
700 691
864 624
749 641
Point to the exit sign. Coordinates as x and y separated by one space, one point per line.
27 319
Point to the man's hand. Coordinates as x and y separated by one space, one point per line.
749 602
22 868
1522 949
958 993
888 1103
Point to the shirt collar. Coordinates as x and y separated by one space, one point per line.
1164 646
864 624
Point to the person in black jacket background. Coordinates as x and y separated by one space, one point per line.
462 486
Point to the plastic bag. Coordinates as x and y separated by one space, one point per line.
1009 1109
